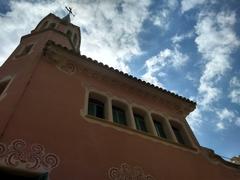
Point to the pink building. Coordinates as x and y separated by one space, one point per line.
66 116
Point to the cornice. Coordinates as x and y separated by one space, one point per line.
34 32
93 67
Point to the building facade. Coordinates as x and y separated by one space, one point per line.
66 116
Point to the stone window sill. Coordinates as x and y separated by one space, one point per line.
142 133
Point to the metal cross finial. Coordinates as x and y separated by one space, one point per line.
69 9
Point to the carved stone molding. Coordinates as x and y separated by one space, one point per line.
67 67
125 172
19 154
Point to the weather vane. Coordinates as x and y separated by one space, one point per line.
69 9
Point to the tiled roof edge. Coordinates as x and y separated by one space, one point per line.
50 42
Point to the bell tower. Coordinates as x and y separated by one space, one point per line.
18 70
61 31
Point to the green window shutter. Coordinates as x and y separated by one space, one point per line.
159 129
95 108
140 123
178 135
91 109
119 115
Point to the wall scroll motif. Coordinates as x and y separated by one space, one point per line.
125 172
66 67
20 154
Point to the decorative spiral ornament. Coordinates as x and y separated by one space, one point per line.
50 161
114 173
12 160
33 162
3 149
125 172
19 153
37 149
148 177
18 145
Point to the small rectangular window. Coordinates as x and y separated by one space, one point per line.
96 108
159 128
52 25
140 123
119 116
3 85
178 135
69 34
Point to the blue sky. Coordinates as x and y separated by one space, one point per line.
190 47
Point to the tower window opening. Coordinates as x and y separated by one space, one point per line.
3 86
69 34
75 39
26 50
52 25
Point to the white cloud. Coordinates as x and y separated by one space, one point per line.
220 126
195 119
237 122
166 58
186 5
208 93
234 94
235 82
110 34
226 114
215 40
178 38
227 117
161 19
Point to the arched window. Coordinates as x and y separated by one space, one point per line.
52 25
69 34
96 105
75 39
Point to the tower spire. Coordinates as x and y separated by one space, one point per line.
67 17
